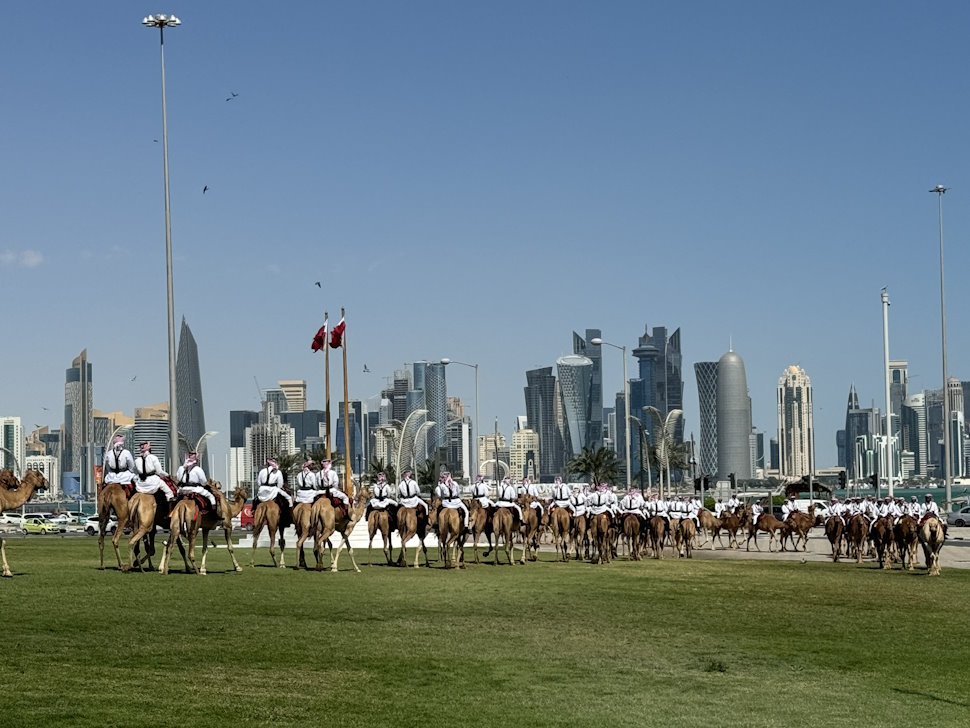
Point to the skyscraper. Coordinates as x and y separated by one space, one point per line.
706 374
733 418
914 435
540 410
522 454
12 439
79 421
898 389
576 398
594 352
190 411
294 390
661 369
436 402
796 436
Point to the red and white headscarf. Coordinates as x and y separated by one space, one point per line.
145 447
603 486
191 460
308 465
118 441
272 464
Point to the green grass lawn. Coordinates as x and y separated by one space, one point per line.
706 643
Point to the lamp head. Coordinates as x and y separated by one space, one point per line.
597 341
445 360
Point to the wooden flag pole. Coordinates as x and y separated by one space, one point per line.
326 346
348 458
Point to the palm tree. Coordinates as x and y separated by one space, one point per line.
427 473
288 464
377 465
319 453
597 465
664 430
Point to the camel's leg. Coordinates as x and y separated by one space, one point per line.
300 557
417 550
101 549
282 548
386 538
3 558
235 564
350 550
333 559
205 551
272 544
115 540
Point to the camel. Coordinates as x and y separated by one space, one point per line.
451 534
684 536
328 520
379 521
146 514
187 520
834 531
413 522
599 536
801 524
856 533
505 522
111 497
479 522
631 534
881 535
658 532
13 494
529 528
766 522
710 524
731 522
931 536
275 515
559 523
905 533
579 536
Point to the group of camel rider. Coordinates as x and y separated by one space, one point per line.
146 472
894 508
310 483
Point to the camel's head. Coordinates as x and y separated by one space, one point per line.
36 479
8 480
363 494
240 493
215 485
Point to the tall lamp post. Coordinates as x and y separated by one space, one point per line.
940 190
474 444
626 402
162 21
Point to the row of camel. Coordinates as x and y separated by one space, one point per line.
893 541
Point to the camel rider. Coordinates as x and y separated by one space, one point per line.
719 508
837 509
930 508
601 502
756 511
450 494
693 511
149 472
506 498
380 499
632 502
788 509
734 504
191 479
410 493
560 494
656 506
480 492
307 483
870 510
578 502
119 465
886 508
269 484
675 509
330 482
530 489
914 509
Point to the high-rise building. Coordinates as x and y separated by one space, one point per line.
277 398
733 418
594 352
796 436
269 437
933 398
540 409
458 448
309 427
49 467
954 389
914 435
490 446
898 388
705 372
522 454
12 440
576 397
294 392
859 423
189 408
436 402
154 429
79 422
661 370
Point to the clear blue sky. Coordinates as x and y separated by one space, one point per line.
476 181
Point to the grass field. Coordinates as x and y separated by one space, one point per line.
712 643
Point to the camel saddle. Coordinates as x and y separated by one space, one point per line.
339 507
202 505
129 489
286 512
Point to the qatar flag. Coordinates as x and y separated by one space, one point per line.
337 335
320 340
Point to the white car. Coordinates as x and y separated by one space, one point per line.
10 519
92 525
821 509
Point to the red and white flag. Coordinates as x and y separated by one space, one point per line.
337 335
320 340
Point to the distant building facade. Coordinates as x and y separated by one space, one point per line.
796 436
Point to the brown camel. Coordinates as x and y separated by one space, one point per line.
631 534
766 523
379 521
304 525
856 535
906 535
480 522
529 529
710 526
578 533
451 533
142 517
731 523
187 520
801 525
275 515
658 532
505 523
684 536
881 535
931 537
111 497
834 531
13 494
413 522
559 522
599 536
328 520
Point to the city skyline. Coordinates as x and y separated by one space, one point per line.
413 131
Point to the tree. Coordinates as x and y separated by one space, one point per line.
288 464
597 465
427 473
377 465
319 453
664 428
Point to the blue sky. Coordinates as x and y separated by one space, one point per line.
477 181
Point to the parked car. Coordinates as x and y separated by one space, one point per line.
960 517
93 525
821 509
61 518
10 519
38 524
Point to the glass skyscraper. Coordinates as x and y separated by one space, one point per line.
540 410
191 413
576 396
706 374
594 352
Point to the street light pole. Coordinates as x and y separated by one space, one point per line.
890 460
474 443
940 190
626 402
161 22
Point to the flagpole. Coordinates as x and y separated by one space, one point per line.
348 458
326 346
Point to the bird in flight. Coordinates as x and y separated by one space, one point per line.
155 140
317 284
366 369
45 409
134 378
231 96
205 189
